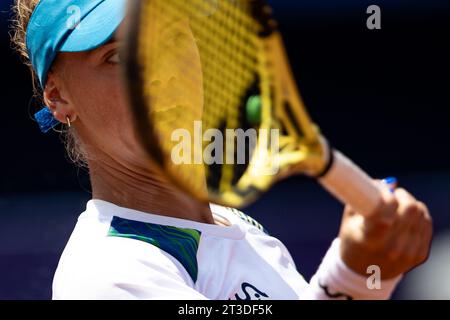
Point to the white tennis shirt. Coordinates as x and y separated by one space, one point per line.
119 253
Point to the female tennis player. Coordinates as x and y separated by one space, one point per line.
141 238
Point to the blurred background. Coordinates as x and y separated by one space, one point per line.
380 96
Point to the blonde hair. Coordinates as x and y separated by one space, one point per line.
23 9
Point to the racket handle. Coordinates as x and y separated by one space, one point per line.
352 186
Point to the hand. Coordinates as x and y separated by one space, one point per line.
396 238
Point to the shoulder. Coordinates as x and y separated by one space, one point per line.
104 262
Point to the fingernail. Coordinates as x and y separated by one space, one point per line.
391 182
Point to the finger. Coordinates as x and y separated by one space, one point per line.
416 233
407 204
412 210
385 215
426 237
424 208
417 251
391 182
424 219
417 230
404 238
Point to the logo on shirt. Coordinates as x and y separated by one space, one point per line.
250 292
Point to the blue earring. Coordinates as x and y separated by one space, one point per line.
45 120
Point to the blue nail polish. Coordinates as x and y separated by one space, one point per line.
391 182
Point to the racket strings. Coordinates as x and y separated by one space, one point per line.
228 43
204 62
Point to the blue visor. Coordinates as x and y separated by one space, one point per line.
68 26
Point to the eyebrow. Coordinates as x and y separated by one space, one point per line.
111 41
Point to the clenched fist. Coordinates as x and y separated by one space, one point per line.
396 238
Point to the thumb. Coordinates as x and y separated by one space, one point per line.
386 212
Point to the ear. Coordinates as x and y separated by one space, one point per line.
54 100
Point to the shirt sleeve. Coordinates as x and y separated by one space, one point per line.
334 280
123 269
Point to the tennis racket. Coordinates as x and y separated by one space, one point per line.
216 106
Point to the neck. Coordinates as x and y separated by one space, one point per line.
144 190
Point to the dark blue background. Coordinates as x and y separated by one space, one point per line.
379 96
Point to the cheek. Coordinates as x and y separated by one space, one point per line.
108 101
103 109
